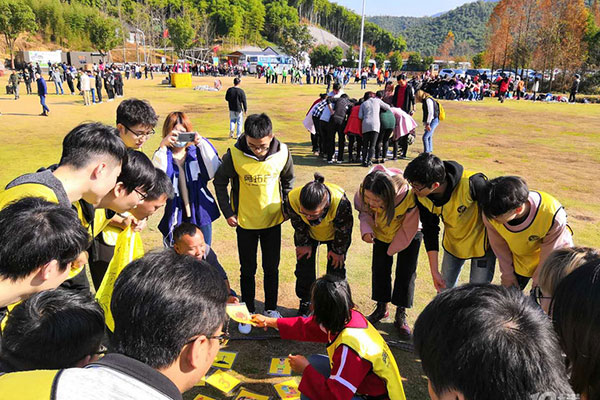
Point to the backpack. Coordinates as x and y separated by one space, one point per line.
442 115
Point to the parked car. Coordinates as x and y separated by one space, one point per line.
473 72
460 73
447 73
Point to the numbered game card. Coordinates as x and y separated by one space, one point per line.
248 395
223 381
239 313
288 389
280 367
224 359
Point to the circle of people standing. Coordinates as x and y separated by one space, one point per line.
167 308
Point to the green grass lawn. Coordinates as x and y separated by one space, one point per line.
553 146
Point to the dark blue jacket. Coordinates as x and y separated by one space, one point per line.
42 89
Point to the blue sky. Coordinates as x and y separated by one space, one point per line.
402 7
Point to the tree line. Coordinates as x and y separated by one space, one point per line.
545 35
103 24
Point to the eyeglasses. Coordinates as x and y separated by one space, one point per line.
143 196
223 338
143 134
538 295
101 351
259 149
417 188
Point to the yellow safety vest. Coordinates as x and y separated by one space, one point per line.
385 232
259 202
100 220
27 190
525 245
29 385
464 232
324 231
370 346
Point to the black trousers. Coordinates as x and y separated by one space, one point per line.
306 273
99 93
523 281
351 140
383 143
406 272
402 145
270 246
368 147
334 128
316 138
325 132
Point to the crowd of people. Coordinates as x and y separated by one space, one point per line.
165 318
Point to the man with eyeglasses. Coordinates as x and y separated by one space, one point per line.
136 120
169 313
261 172
446 191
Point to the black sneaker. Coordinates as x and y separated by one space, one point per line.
401 324
304 309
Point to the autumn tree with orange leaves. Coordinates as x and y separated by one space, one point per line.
447 46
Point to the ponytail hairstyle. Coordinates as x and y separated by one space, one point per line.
385 187
313 193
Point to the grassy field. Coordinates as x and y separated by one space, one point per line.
553 146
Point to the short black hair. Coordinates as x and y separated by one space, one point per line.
34 232
162 186
489 342
576 315
332 302
258 126
337 86
185 229
132 112
425 169
91 139
312 194
162 300
137 172
236 81
379 94
504 194
53 329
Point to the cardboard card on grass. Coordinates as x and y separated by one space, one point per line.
280 367
239 313
248 395
223 381
203 397
288 389
224 359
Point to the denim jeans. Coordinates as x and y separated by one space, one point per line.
236 117
321 364
43 103
207 233
428 136
482 269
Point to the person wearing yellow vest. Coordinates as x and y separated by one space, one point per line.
446 191
169 312
261 172
482 341
359 364
135 122
39 241
524 227
320 213
389 219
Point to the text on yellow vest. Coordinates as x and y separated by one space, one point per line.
259 202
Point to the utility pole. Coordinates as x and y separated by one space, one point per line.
362 33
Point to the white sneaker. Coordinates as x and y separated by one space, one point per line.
244 328
272 314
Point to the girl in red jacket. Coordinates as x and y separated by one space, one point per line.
362 365
354 131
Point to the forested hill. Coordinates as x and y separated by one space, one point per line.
425 35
